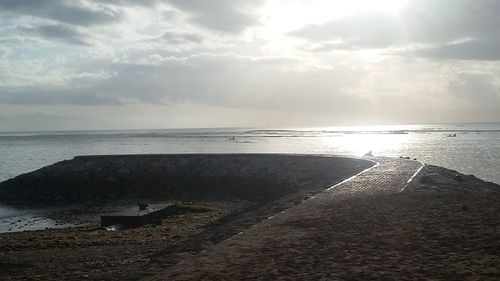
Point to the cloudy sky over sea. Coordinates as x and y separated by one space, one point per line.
85 64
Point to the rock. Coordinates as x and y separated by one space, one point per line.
156 165
182 162
78 169
111 179
435 179
132 176
123 171
119 162
465 272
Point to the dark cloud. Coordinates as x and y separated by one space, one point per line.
143 3
70 12
231 16
58 32
75 22
445 29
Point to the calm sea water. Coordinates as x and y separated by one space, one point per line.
474 150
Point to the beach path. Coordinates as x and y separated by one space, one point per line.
364 228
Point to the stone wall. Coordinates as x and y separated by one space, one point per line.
245 176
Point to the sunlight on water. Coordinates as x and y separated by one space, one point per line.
475 149
359 145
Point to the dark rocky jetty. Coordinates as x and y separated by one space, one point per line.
181 176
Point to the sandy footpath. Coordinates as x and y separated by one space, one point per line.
365 229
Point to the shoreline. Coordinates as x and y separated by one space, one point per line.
164 250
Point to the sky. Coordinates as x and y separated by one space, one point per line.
123 64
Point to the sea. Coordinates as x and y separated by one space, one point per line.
467 148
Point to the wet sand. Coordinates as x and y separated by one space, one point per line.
92 252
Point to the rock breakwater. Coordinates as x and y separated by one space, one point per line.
178 176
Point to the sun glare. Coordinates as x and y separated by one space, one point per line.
284 15
378 5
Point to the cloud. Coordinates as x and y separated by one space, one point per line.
181 38
482 50
70 12
228 80
445 29
227 16
144 3
230 16
211 79
55 96
3 52
59 21
479 89
448 20
92 22
45 122
363 30
58 32
126 55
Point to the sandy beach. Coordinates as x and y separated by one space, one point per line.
371 226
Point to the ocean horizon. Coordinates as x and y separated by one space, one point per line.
470 148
